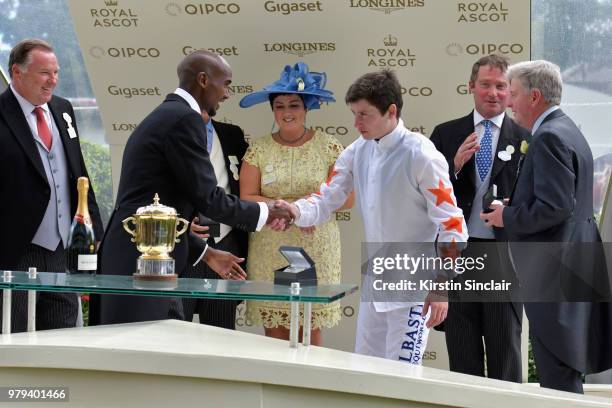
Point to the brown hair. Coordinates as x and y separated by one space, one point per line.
20 54
380 88
493 60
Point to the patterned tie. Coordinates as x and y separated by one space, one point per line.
209 136
485 154
43 129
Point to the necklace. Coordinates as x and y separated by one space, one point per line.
293 141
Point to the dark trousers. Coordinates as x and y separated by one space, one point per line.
553 373
54 310
214 312
468 323
496 322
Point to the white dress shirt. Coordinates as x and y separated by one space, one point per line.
543 116
217 159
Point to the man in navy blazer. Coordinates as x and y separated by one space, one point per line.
166 154
555 245
40 162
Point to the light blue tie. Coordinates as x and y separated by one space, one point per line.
209 136
485 154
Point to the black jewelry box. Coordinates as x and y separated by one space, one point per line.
301 268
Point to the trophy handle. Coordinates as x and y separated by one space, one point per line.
126 227
182 230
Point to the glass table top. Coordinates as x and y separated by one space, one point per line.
181 287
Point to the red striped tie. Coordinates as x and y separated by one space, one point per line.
43 129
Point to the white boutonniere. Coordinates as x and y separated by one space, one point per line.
506 155
234 167
71 132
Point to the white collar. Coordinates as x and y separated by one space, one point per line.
497 120
389 140
190 99
26 106
543 116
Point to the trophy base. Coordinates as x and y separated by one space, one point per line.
155 269
155 278
155 282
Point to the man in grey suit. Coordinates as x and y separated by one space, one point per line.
40 162
554 238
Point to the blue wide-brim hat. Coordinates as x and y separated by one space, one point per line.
298 80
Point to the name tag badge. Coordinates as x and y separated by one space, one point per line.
72 133
268 178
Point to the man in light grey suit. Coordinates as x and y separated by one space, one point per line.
551 213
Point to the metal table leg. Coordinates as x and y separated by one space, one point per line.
6 311
32 302
6 305
307 319
294 319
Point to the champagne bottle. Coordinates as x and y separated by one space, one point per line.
82 256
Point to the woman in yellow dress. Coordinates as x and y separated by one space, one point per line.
288 164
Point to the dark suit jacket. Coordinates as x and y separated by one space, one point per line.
232 144
166 154
25 190
447 138
217 312
553 204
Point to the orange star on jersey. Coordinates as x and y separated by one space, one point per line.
454 223
329 179
442 194
449 249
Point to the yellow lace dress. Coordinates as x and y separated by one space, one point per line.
290 173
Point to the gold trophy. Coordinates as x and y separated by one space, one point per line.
155 233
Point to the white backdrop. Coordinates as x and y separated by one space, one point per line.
132 47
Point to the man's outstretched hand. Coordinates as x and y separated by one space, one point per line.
225 264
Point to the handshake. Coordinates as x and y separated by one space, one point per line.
281 214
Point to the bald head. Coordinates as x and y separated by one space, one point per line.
206 76
197 62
